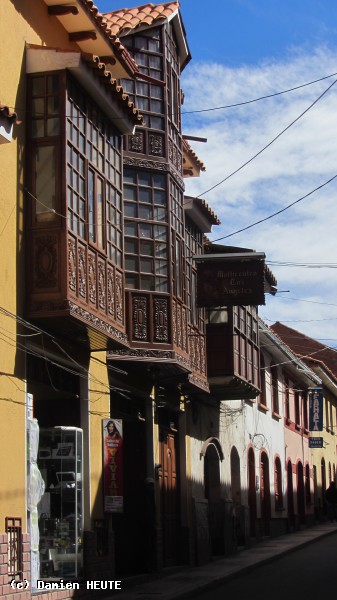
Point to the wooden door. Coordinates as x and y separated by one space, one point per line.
168 481
265 495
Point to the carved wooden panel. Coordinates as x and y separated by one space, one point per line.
184 330
156 144
111 291
101 285
72 271
136 142
45 262
82 271
160 310
139 318
119 298
179 326
92 278
174 322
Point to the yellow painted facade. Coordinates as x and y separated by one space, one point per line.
22 24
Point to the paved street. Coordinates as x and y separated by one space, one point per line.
307 573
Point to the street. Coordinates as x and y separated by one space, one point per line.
308 573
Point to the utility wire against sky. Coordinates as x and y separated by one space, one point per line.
277 212
269 143
243 103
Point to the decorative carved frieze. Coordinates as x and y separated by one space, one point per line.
103 326
111 291
161 333
141 353
131 161
139 318
101 286
156 144
45 261
82 272
183 361
92 278
198 382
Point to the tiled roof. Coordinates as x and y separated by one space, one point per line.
112 85
126 19
8 113
100 20
191 155
308 349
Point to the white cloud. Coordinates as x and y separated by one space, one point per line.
303 158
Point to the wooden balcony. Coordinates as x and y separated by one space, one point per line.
158 332
74 290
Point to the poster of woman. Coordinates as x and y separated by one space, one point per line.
112 434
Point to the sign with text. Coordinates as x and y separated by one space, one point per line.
316 442
316 410
112 434
230 282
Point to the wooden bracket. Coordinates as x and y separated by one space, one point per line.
81 36
60 10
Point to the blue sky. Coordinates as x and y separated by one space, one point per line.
242 50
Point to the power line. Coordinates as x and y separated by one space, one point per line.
277 212
189 112
270 143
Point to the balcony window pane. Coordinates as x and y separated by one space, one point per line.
131 263
130 210
130 246
145 230
146 248
147 282
53 126
45 157
38 86
130 229
145 212
146 265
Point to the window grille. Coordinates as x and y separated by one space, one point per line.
15 554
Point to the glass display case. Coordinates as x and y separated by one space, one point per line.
60 509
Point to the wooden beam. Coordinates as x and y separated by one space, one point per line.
81 36
59 10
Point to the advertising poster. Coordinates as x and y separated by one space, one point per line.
112 430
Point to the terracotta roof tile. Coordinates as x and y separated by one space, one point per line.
125 19
309 349
112 85
191 155
102 23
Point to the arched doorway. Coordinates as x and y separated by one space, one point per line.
251 492
300 493
290 494
265 494
323 479
238 513
213 495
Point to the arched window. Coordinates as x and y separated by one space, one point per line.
235 476
274 388
307 485
263 395
278 485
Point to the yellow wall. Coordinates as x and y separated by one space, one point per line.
99 408
20 23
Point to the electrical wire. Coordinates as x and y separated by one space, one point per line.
269 143
277 212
